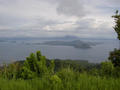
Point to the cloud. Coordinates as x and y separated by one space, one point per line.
115 1
42 18
71 8
60 27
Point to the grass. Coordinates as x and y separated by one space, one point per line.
81 82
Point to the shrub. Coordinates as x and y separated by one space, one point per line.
107 68
66 74
115 57
35 66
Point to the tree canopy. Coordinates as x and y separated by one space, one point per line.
117 23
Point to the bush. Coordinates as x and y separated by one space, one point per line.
107 69
35 66
115 57
116 72
66 74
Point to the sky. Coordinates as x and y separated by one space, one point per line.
58 18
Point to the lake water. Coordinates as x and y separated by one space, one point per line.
19 49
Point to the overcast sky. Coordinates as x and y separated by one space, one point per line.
51 18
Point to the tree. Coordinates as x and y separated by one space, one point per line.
34 66
29 67
117 25
52 67
115 55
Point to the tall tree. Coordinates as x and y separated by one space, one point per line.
115 55
117 24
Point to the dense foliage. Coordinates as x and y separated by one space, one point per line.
117 23
38 73
115 57
78 82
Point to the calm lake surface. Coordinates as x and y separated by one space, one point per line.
12 50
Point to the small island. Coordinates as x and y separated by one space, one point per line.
76 44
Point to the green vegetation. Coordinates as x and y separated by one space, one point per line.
117 22
115 55
81 82
38 73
